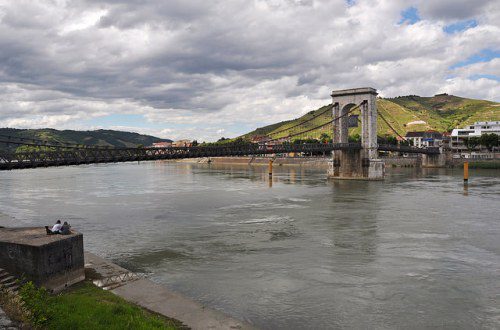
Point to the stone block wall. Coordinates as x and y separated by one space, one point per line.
54 261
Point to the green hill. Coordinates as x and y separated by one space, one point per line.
101 137
441 112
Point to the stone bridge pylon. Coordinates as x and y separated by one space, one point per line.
358 164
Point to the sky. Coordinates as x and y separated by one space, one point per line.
209 69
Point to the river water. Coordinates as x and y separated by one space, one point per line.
414 251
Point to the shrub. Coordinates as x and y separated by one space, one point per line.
35 300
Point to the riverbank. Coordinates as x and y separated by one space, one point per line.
157 298
110 297
82 306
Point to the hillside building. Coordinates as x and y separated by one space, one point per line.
425 139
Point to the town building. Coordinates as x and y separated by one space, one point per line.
182 143
477 129
425 139
164 144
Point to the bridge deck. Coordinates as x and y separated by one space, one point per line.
75 156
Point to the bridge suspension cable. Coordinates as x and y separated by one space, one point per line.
301 123
319 126
390 126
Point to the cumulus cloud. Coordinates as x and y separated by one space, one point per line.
191 68
454 9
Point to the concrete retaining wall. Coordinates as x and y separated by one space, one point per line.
321 162
402 161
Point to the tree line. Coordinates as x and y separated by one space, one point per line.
486 140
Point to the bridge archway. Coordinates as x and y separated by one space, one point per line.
363 163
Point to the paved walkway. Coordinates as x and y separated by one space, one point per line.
158 298
5 322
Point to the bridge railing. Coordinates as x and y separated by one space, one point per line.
74 156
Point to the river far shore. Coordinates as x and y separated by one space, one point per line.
322 162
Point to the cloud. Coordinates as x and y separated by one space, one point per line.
191 68
453 9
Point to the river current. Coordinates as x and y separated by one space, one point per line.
414 251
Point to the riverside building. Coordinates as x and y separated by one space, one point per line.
476 130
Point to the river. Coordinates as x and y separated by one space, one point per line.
413 251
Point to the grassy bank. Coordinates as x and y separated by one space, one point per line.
485 164
85 306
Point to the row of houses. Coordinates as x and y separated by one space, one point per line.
454 140
169 144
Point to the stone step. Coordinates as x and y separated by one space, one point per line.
111 282
10 284
7 279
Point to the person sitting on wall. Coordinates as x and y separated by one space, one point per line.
65 229
55 229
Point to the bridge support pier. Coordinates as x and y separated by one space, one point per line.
360 164
352 165
434 160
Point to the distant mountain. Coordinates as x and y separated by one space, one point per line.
100 137
441 112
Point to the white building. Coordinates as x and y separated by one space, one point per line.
425 139
479 128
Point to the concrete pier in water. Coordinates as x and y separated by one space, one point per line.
362 164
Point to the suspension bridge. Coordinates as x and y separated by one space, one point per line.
350 160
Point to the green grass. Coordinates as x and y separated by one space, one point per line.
445 112
493 164
85 306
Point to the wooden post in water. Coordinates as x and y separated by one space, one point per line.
270 167
466 172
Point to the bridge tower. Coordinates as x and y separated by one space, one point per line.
358 164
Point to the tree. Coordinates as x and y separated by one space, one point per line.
489 140
406 143
387 139
194 143
472 142
239 141
392 140
324 138
354 138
